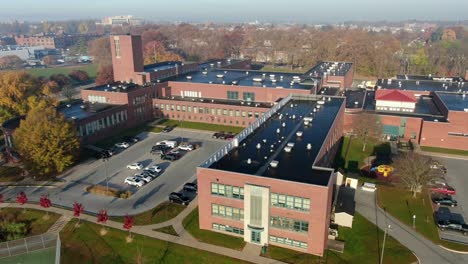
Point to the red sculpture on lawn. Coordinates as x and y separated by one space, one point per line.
102 216
21 198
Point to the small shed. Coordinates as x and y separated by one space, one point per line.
345 206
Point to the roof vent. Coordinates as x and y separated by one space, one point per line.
274 163
189 77
249 161
259 146
68 105
309 146
278 130
204 72
290 144
287 149
284 124
299 133
73 117
82 106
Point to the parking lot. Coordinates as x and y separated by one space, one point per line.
174 176
456 177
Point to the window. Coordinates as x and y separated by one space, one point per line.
249 96
183 108
231 112
243 114
218 112
232 95
290 202
117 47
288 242
224 112
227 212
189 109
230 229
237 113
200 110
227 191
178 107
96 99
413 135
289 224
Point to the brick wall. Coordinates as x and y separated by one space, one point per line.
129 62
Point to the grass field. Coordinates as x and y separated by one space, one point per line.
400 204
10 174
191 224
362 245
34 220
161 213
91 69
167 230
85 245
202 126
352 157
445 151
44 256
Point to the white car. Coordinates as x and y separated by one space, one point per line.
135 166
155 168
122 145
134 181
168 143
145 178
186 147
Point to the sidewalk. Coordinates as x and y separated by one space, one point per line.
426 251
184 237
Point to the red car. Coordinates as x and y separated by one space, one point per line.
443 189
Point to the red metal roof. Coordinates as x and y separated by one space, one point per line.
394 95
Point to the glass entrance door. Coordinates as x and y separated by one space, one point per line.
255 237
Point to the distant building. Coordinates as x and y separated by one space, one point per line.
52 41
24 53
121 20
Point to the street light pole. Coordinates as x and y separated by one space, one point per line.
105 159
383 244
414 221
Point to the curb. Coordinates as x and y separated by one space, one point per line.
453 250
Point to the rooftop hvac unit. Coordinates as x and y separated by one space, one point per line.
274 163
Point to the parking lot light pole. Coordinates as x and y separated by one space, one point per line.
414 221
383 244
105 158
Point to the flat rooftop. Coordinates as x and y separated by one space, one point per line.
423 85
162 66
293 166
454 101
427 78
80 110
425 108
244 78
118 87
217 101
333 68
355 98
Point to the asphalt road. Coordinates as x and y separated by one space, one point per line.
93 172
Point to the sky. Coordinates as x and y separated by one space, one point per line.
289 11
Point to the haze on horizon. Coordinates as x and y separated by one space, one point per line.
291 11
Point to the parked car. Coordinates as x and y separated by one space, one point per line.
130 139
190 187
144 177
169 143
135 166
108 152
122 145
217 134
170 156
134 181
229 136
155 168
444 200
186 147
453 225
150 173
438 182
443 189
168 129
179 198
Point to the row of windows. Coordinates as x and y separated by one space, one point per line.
207 119
291 202
289 224
232 95
227 212
230 229
398 109
207 110
108 121
140 99
249 96
227 191
97 99
288 242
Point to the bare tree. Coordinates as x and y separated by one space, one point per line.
69 92
413 171
367 127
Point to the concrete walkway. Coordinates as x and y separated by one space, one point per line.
426 251
184 238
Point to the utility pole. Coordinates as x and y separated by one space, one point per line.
383 244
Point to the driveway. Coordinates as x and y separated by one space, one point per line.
93 172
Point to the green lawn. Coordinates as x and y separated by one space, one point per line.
44 256
85 245
202 126
167 230
10 174
161 213
34 220
401 204
191 224
110 141
445 151
352 157
362 245
91 69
